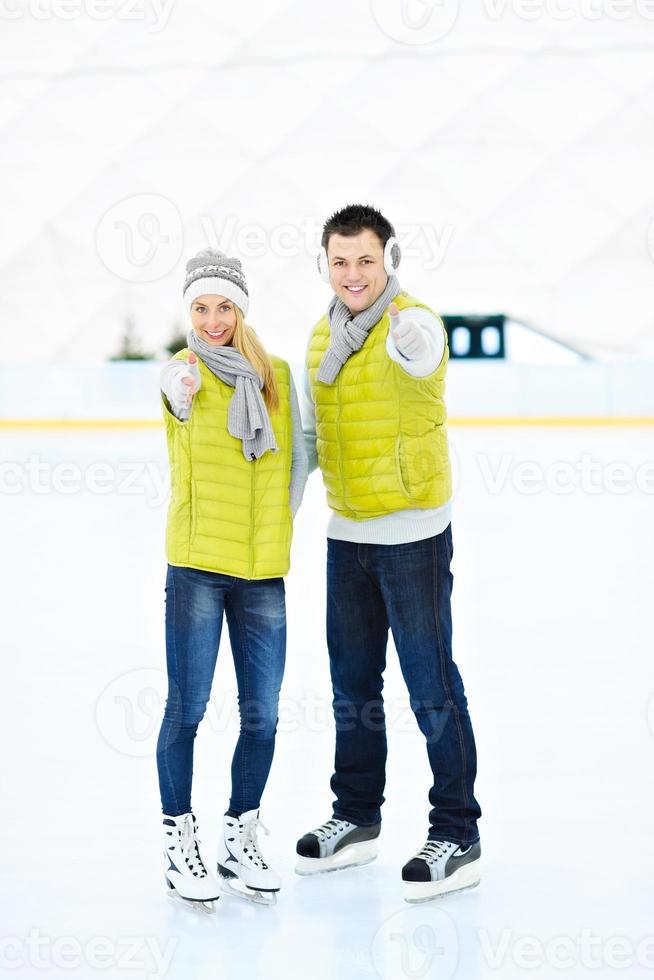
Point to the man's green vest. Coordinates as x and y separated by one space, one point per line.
228 514
380 432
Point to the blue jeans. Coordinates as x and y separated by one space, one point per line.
256 618
407 587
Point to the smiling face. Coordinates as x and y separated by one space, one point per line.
214 319
356 268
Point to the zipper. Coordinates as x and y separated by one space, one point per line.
253 463
194 509
339 441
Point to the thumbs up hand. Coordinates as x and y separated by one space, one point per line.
192 378
185 381
407 336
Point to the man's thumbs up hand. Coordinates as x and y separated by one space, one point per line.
394 316
407 336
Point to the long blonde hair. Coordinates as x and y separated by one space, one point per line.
247 342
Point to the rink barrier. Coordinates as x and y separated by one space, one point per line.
543 421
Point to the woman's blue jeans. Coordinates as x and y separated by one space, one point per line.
256 618
407 587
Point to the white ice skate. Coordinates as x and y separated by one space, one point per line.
241 867
186 874
335 845
440 867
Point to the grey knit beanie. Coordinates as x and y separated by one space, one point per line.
211 271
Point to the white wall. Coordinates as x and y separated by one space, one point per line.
513 147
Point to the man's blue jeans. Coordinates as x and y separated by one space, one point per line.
256 618
407 587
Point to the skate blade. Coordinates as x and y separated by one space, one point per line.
354 856
236 888
426 891
205 905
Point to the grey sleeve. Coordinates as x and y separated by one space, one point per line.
299 467
309 420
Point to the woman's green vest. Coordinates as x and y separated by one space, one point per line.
228 514
380 432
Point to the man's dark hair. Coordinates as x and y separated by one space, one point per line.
354 218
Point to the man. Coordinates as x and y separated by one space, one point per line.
375 424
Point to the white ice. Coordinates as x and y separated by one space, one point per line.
553 635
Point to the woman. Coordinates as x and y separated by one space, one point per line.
238 470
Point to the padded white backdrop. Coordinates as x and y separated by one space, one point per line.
514 153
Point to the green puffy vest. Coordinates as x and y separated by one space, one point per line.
380 432
228 514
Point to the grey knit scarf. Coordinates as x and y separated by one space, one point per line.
247 416
348 332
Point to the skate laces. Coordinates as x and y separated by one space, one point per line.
434 850
249 833
330 828
189 844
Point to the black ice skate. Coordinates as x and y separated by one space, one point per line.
335 845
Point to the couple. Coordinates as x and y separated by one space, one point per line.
375 425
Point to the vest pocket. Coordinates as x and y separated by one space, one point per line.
417 466
400 467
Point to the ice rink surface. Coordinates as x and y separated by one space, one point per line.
553 593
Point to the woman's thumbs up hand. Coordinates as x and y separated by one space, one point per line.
184 380
191 378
